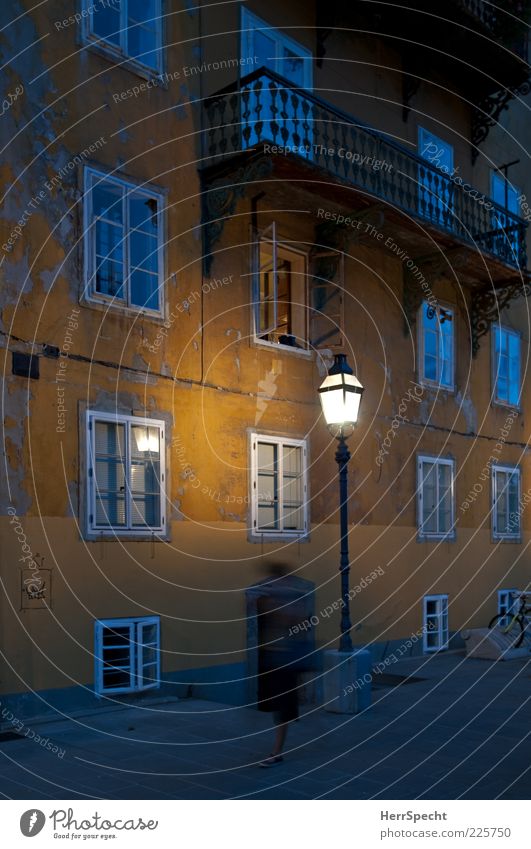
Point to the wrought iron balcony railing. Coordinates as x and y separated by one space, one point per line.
266 113
508 24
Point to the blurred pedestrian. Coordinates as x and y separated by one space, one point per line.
284 651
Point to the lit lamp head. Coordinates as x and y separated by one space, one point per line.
340 394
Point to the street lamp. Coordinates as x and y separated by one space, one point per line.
340 394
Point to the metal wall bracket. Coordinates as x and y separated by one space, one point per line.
488 303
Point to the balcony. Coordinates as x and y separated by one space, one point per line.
265 116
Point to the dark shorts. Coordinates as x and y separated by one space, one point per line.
278 693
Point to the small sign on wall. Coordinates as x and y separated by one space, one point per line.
35 589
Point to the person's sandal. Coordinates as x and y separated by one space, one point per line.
272 760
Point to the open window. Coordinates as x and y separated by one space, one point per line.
127 654
280 286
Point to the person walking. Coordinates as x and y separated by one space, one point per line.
284 651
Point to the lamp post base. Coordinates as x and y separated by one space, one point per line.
347 680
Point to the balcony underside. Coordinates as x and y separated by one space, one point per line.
291 183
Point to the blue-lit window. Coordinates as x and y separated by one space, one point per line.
128 28
506 365
437 345
123 243
269 48
506 513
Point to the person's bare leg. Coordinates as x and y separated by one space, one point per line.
280 738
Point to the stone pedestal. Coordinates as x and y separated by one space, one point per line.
347 680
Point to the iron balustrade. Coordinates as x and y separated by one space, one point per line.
266 113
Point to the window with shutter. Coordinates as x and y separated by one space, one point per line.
126 465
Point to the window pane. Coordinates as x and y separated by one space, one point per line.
146 511
106 21
292 517
110 279
291 67
267 454
429 498
143 10
266 487
109 472
265 50
145 475
109 241
142 42
107 200
445 497
514 369
430 368
145 290
144 251
268 517
145 440
143 213
291 459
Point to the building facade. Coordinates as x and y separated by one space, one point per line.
202 204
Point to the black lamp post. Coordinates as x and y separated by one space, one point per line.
340 394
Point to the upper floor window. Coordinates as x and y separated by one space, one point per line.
504 193
127 28
280 292
435 497
123 243
278 486
276 51
436 336
126 472
506 365
127 654
505 502
435 187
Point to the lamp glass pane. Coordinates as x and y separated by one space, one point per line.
340 405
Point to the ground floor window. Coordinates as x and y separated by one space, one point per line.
435 621
127 654
506 605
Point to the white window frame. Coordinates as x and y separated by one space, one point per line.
256 533
507 604
425 381
251 22
136 666
497 534
443 633
90 294
119 51
423 535
96 531
270 234
504 402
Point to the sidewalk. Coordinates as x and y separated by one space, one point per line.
457 729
